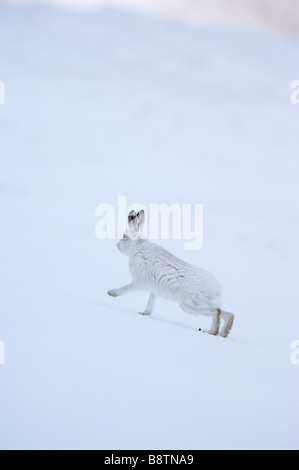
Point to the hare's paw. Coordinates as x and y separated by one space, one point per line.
213 332
227 325
113 293
145 313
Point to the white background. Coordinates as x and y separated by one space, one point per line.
115 103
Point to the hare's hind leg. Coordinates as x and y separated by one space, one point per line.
228 319
215 322
215 313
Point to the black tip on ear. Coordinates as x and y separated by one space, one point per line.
132 216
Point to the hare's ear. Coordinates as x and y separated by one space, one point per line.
132 222
141 219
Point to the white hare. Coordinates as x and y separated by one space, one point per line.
159 272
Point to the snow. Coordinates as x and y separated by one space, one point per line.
279 15
113 103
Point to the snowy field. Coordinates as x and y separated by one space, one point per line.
277 15
111 103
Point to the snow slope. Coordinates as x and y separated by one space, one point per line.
113 103
279 15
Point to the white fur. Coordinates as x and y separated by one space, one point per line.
162 274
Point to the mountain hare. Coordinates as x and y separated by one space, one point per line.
156 270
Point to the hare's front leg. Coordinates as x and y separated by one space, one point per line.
150 305
122 290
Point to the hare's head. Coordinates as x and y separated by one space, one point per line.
134 232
